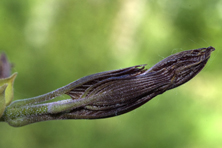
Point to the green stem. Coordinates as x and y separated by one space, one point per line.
57 92
27 114
30 111
47 108
41 98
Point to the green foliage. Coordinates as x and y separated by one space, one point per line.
52 43
2 99
9 91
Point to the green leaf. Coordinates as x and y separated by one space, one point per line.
2 99
9 91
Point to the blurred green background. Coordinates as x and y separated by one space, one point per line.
54 42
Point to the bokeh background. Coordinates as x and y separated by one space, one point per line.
54 42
